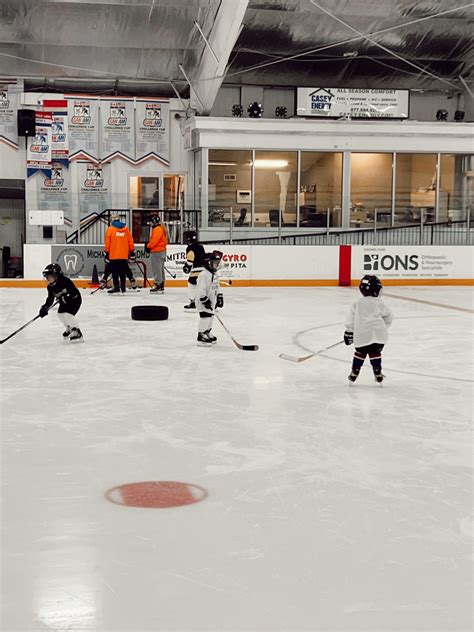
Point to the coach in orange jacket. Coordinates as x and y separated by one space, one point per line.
118 247
157 246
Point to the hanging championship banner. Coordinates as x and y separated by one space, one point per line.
59 138
9 104
117 129
38 157
152 130
54 193
94 187
83 128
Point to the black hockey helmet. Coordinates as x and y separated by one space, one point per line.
52 269
370 285
190 237
155 220
211 260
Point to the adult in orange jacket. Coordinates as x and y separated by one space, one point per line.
118 247
157 247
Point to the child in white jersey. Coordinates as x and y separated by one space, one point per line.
366 327
208 297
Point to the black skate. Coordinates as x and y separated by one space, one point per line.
155 289
190 305
212 338
133 285
203 340
352 377
379 377
67 333
114 290
76 335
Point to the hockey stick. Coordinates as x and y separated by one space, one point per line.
243 347
25 325
101 287
311 355
173 276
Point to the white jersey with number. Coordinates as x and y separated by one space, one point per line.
369 319
207 287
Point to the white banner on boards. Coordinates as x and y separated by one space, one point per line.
352 103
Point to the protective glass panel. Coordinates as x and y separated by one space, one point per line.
320 189
371 189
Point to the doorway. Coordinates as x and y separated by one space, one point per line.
12 222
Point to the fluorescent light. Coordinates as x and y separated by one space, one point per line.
222 164
270 163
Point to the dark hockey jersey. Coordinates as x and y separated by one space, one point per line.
195 255
64 290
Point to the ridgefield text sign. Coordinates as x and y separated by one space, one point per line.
352 103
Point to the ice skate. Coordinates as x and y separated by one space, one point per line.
76 335
114 290
203 340
67 333
190 306
212 338
133 285
154 289
103 284
379 378
352 377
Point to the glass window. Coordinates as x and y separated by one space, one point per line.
320 188
371 189
197 179
230 186
275 188
454 187
144 193
415 188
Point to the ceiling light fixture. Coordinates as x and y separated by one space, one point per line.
237 110
442 115
217 163
459 116
270 163
281 111
255 110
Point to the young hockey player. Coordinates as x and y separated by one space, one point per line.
118 248
193 266
157 246
128 274
366 327
208 297
61 288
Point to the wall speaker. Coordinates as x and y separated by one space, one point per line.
26 123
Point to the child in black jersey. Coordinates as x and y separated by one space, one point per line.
62 289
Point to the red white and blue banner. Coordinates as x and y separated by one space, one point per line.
38 155
152 130
83 128
10 90
59 138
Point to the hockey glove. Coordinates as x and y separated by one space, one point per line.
43 311
146 249
220 300
187 268
348 337
206 302
132 256
106 258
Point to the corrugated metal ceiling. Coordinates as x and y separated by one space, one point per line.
136 46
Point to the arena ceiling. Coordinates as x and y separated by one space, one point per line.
162 46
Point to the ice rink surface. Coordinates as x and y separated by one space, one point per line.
328 508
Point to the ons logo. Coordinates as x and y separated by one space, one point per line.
377 263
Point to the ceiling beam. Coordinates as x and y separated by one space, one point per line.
219 43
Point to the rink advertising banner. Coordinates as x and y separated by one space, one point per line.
413 262
53 193
83 128
94 187
152 130
38 157
78 261
9 105
352 103
117 129
59 138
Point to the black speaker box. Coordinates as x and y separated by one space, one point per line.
26 123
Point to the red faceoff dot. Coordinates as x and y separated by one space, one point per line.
156 494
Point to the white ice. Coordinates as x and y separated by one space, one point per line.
329 507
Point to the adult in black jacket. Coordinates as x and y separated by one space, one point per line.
193 266
62 289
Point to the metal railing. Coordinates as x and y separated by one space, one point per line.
93 227
458 233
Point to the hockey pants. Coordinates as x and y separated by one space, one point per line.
374 351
